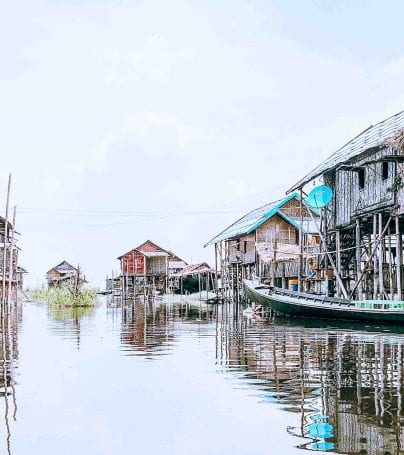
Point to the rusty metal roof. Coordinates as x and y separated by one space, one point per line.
374 136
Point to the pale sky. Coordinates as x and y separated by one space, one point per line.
123 121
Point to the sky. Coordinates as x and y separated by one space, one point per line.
167 120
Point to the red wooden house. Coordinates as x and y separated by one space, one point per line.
146 266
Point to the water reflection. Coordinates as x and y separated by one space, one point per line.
149 328
68 320
9 325
345 384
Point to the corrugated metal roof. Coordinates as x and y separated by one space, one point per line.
64 266
248 223
374 136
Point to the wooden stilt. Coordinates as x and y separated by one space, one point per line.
380 255
375 286
300 269
390 262
338 258
11 262
399 249
374 251
325 227
283 275
358 257
216 270
3 290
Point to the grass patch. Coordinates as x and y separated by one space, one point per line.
63 297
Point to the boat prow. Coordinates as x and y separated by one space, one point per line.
317 306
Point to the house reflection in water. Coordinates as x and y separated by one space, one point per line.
345 383
9 326
149 328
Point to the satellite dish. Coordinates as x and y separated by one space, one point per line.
319 197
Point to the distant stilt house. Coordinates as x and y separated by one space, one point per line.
266 243
146 268
363 225
63 274
8 260
20 277
193 278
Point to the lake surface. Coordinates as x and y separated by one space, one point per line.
185 378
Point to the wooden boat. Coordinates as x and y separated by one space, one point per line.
318 306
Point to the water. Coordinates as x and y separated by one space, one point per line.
196 379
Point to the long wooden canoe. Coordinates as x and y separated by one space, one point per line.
316 306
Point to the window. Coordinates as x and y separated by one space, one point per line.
385 170
361 178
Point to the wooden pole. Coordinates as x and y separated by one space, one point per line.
358 256
337 276
300 269
390 255
375 248
380 254
398 254
166 274
11 265
283 265
144 276
325 227
375 287
338 257
3 290
216 285
274 262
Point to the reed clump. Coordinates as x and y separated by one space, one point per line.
64 297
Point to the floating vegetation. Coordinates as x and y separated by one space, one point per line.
64 297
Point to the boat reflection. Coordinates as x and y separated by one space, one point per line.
345 383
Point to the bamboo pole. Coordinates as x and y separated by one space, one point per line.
11 265
3 291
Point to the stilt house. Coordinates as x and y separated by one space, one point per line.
364 223
193 278
146 267
265 242
63 274
8 260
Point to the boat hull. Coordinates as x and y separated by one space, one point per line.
296 306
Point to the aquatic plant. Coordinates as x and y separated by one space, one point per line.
63 297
